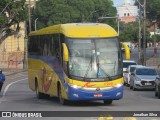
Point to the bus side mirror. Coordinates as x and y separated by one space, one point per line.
127 51
65 52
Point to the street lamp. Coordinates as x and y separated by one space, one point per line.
7 6
144 30
35 24
29 14
91 14
100 18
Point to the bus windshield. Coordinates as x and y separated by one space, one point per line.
94 58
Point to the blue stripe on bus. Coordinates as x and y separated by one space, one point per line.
53 62
77 94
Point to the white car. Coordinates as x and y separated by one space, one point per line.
126 63
127 75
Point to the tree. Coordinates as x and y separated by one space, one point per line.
12 13
130 32
152 8
50 12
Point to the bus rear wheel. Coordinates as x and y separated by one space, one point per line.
156 91
107 102
38 94
158 94
61 99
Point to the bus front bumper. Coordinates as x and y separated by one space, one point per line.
79 94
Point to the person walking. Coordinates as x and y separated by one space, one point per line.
2 79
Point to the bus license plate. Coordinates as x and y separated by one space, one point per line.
148 83
98 95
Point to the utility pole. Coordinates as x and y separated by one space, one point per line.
155 47
25 46
118 23
34 4
25 43
29 13
140 36
154 34
144 34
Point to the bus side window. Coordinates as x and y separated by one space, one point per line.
57 47
33 48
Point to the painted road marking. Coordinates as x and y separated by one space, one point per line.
7 87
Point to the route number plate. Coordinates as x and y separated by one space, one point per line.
98 95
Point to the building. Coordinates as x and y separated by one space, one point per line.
127 12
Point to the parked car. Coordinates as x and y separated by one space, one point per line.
126 63
2 79
157 87
143 78
127 75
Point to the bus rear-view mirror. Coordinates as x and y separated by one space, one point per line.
65 52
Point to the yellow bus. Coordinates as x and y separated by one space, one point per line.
76 61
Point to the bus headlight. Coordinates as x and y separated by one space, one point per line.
75 86
118 85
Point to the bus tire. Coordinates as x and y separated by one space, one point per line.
107 102
61 99
156 91
158 94
38 94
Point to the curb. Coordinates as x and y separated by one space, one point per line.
13 72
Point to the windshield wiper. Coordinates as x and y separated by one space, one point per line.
106 74
99 67
88 68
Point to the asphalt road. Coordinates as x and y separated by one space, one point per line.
16 96
149 53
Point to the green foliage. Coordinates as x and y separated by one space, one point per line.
12 13
50 12
130 32
158 38
152 9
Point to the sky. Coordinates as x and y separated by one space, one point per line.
119 2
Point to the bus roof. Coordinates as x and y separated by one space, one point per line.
78 30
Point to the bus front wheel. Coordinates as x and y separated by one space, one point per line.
108 102
61 99
38 94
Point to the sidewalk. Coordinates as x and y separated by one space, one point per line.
154 61
8 72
